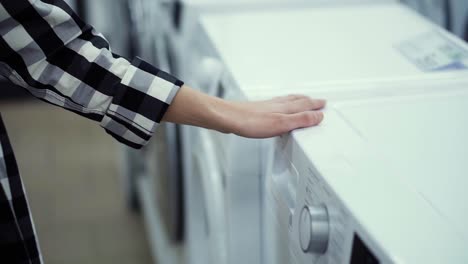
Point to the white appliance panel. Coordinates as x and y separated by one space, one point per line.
386 171
429 146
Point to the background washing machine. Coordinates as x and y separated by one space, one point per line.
379 181
185 27
155 174
450 14
363 54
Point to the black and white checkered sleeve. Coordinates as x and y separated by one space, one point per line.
46 48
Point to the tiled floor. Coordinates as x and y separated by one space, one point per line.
70 169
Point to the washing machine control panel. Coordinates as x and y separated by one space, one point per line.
321 229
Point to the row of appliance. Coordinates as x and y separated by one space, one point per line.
381 180
450 14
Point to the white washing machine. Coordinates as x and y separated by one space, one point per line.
276 213
242 247
381 180
260 54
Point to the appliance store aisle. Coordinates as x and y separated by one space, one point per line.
70 170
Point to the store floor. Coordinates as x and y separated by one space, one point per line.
70 170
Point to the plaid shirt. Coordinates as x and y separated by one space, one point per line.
47 49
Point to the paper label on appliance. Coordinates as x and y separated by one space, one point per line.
432 51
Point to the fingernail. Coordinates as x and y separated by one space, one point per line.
320 116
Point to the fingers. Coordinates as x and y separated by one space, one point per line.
289 104
284 123
302 104
264 125
304 119
288 98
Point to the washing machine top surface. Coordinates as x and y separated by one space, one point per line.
319 45
398 163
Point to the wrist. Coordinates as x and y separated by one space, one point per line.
224 115
191 107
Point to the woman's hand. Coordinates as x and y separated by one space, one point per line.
277 116
260 119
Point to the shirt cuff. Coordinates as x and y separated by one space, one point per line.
140 101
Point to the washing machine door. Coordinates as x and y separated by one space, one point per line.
208 240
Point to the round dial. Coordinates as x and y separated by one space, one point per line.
314 229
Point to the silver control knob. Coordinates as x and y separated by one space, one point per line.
314 229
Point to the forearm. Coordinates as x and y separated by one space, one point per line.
191 107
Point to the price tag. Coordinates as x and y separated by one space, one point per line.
432 51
